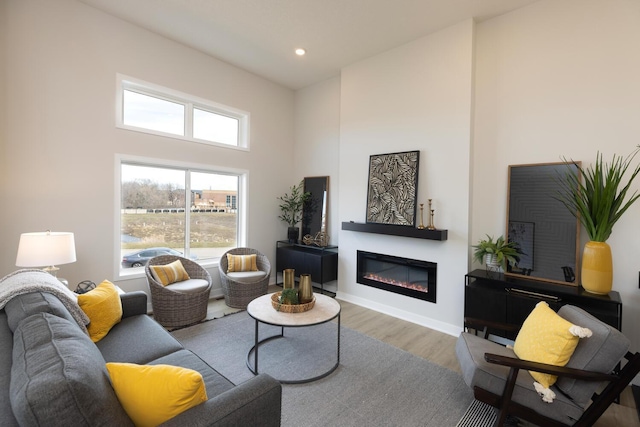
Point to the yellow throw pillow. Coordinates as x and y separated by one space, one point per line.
169 273
153 394
103 307
546 337
237 263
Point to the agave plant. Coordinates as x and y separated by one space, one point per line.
599 202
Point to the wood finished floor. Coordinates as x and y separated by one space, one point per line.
439 348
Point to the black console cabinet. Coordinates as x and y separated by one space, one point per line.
506 299
320 262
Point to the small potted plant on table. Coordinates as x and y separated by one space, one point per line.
496 254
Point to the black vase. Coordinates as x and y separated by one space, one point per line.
293 233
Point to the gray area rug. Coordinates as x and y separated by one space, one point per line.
375 384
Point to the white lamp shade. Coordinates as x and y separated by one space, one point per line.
45 248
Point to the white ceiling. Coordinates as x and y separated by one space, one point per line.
261 35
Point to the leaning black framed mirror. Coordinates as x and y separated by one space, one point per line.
547 233
314 211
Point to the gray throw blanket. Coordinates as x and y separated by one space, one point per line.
32 280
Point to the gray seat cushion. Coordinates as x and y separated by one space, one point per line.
470 350
214 382
599 353
22 306
247 277
6 355
190 286
59 378
137 339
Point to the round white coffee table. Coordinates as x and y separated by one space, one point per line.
260 309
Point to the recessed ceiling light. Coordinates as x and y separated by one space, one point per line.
300 51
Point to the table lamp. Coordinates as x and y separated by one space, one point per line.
46 248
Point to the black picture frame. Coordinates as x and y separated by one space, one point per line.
392 188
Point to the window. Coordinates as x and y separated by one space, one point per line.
177 210
214 127
148 112
231 201
149 108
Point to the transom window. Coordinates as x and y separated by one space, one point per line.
149 108
176 210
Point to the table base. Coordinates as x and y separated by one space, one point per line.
254 350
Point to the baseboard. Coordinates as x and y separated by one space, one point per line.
427 322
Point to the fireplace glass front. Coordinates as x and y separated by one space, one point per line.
404 276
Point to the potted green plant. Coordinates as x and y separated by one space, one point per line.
289 296
291 209
598 203
496 254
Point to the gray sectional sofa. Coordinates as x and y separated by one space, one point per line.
52 374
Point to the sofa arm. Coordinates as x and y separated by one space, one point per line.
256 402
133 303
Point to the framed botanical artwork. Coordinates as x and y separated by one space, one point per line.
523 234
393 188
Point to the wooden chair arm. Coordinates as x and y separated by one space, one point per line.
561 371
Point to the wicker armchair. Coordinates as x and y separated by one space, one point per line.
238 294
173 308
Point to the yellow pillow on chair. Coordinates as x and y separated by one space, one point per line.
546 337
238 263
153 394
169 273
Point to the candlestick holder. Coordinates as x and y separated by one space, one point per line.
421 226
431 226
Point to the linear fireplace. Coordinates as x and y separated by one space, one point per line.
410 277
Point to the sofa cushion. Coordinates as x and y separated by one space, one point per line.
103 307
137 339
216 384
59 378
153 394
6 355
22 306
169 273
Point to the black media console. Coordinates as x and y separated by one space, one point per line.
496 297
320 262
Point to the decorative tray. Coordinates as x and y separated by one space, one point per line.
291 308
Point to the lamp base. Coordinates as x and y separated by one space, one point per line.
52 270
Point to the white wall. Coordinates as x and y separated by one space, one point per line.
559 79
415 97
317 119
59 141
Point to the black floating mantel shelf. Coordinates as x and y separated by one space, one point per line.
395 230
